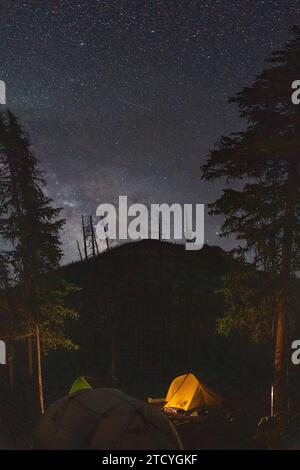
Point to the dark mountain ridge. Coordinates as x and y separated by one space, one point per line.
148 311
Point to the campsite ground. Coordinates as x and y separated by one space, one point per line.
215 432
209 435
210 432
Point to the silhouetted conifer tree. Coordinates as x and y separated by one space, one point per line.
263 210
30 227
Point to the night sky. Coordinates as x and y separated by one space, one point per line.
127 97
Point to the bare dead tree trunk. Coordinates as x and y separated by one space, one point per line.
93 237
10 364
79 250
281 363
84 238
96 244
39 369
30 355
283 320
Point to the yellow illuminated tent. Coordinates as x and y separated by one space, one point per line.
187 393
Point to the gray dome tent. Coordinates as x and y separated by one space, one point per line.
104 419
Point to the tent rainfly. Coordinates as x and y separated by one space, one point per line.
104 419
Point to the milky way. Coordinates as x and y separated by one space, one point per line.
127 97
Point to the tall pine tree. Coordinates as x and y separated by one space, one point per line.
264 212
30 226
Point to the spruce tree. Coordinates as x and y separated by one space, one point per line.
262 210
31 226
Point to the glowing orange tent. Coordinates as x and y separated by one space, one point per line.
187 393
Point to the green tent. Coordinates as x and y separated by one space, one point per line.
80 384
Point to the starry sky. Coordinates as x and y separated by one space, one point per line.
126 97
